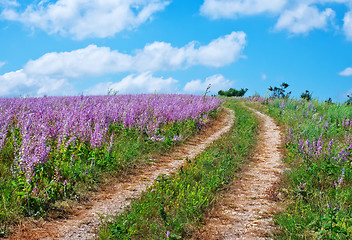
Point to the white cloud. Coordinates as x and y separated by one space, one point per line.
51 73
304 18
264 76
141 83
233 8
346 73
88 61
82 19
18 83
8 3
94 60
294 16
220 52
218 82
2 64
347 25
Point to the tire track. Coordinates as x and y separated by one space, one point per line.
245 211
85 222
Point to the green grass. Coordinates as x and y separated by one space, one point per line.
176 204
83 168
318 186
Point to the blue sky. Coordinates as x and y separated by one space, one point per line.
69 47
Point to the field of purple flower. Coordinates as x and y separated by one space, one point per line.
52 146
317 186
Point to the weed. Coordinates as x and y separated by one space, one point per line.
317 187
174 205
58 148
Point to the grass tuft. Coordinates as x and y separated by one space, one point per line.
318 186
173 207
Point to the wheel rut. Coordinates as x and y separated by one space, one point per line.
85 221
245 211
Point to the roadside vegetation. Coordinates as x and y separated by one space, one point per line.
318 153
56 149
60 148
233 92
173 207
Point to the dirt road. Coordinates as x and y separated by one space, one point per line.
113 200
245 211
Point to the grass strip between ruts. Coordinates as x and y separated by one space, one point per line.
173 207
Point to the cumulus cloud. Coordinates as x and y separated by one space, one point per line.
217 82
8 3
155 56
304 18
162 56
89 61
233 8
347 25
346 73
296 16
136 83
53 72
82 19
18 83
